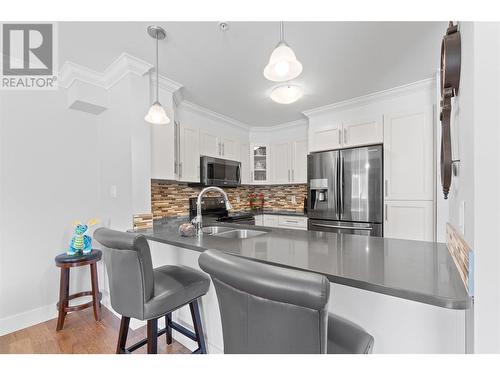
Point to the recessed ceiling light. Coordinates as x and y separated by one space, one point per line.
223 26
286 94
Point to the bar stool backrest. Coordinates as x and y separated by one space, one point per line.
130 270
268 309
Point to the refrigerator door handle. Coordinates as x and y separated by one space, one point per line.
341 186
341 227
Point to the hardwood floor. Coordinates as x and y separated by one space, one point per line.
81 335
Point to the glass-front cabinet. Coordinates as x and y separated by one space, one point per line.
260 164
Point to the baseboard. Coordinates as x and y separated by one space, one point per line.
26 319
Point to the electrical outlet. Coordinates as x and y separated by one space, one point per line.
237 199
113 191
294 201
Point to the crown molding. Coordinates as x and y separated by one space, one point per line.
379 95
118 69
212 114
283 126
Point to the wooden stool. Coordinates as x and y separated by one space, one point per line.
65 262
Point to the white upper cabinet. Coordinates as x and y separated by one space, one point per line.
408 155
281 168
209 144
229 148
217 146
259 163
363 131
189 167
162 152
299 162
325 136
246 173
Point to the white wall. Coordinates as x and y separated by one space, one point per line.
477 121
50 177
57 165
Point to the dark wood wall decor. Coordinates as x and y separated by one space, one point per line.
450 83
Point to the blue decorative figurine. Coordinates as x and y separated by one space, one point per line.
80 242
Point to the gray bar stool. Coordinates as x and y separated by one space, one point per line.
270 309
141 292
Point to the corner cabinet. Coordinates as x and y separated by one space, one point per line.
259 164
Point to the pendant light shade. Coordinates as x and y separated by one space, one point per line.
156 114
286 94
283 64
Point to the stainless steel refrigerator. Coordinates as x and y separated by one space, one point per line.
345 191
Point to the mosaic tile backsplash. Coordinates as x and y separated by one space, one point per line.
172 198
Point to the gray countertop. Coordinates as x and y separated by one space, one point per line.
413 270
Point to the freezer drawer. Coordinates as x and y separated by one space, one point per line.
347 227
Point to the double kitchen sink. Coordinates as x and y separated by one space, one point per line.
232 233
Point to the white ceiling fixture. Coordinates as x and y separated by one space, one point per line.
283 64
156 114
286 94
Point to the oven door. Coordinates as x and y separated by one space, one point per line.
219 172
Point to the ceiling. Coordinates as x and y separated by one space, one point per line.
222 71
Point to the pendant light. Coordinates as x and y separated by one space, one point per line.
283 64
156 114
286 94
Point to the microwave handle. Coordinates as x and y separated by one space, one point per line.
238 173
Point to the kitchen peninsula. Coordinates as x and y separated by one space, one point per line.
400 290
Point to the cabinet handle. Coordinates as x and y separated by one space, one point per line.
291 221
340 136
223 149
180 170
219 152
386 217
289 175
198 173
293 175
345 136
386 187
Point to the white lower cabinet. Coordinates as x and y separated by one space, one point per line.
409 220
282 221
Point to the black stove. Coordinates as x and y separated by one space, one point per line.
215 208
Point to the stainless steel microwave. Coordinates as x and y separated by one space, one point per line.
219 172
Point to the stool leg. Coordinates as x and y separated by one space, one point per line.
168 320
122 336
152 336
95 291
63 297
198 329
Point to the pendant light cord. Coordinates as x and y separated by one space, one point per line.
282 32
157 81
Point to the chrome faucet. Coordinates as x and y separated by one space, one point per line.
197 221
